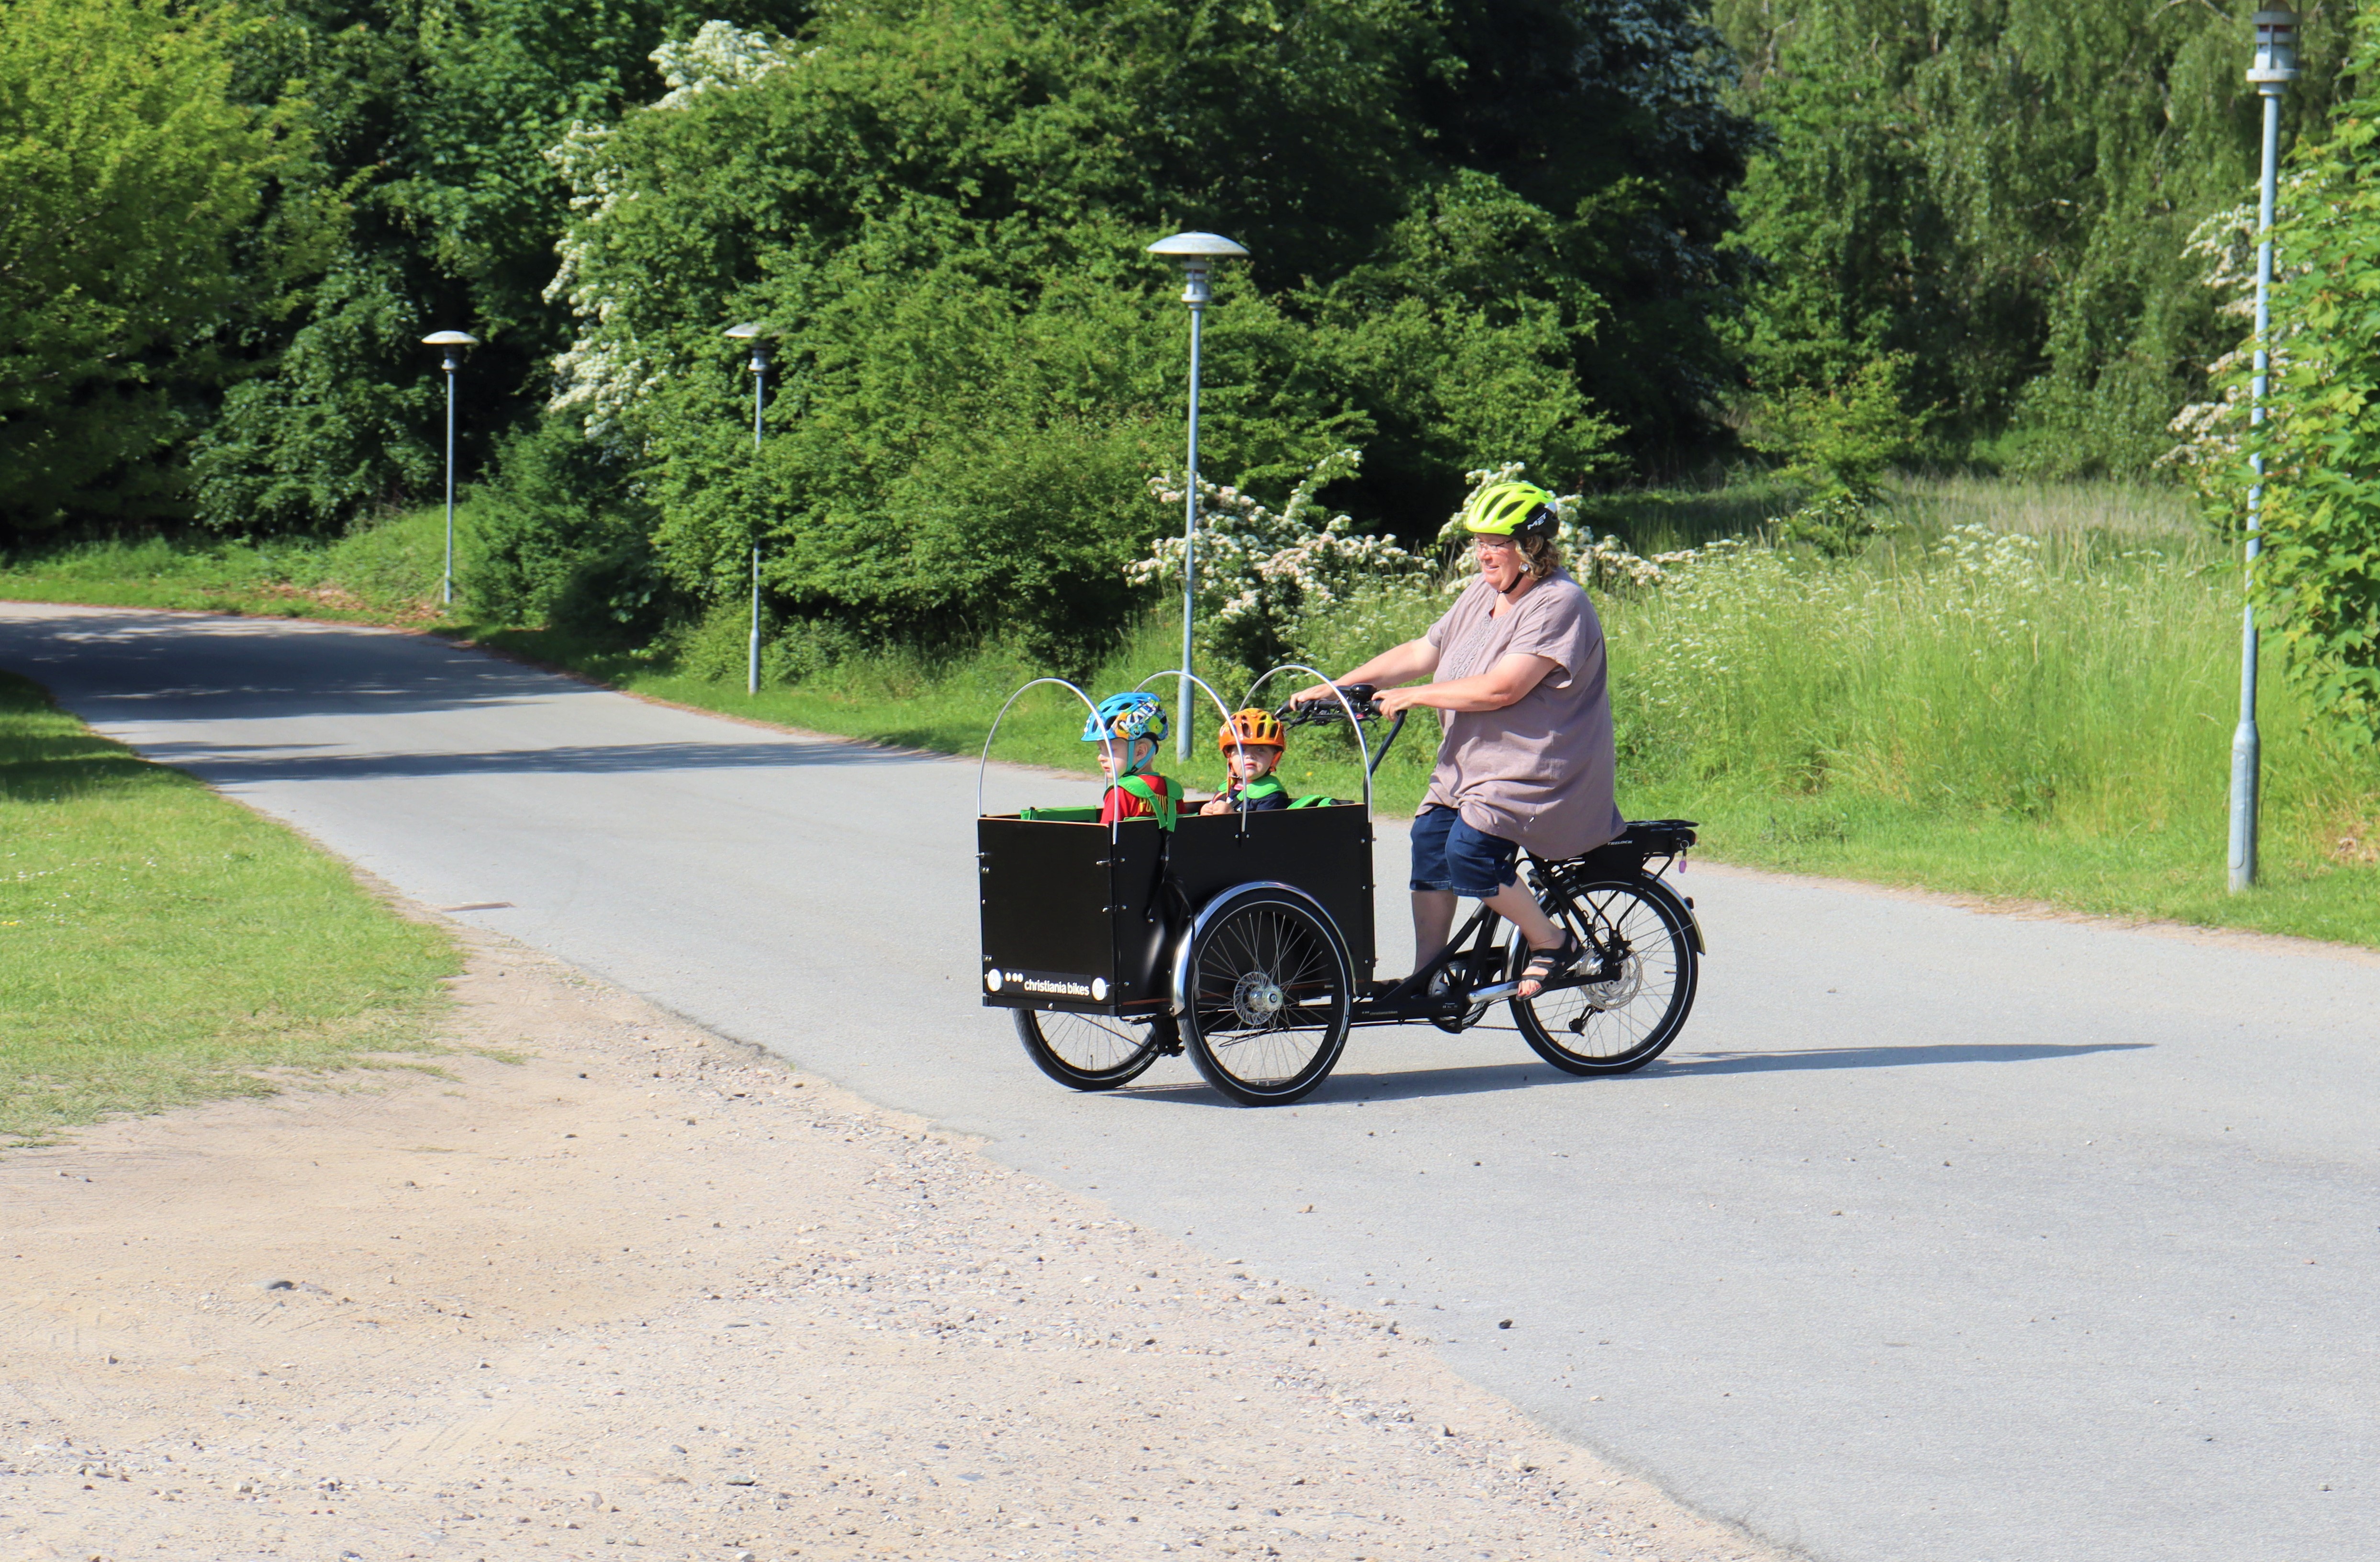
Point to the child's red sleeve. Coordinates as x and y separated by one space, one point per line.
1119 804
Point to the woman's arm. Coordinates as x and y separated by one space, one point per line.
1499 686
1399 663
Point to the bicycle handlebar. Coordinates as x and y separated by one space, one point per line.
1322 712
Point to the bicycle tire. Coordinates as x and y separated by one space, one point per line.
1621 1025
1090 1052
1271 996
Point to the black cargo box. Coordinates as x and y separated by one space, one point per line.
1086 917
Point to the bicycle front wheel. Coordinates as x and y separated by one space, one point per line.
1091 1051
1619 1025
1271 996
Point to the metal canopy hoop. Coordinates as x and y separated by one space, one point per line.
1222 711
985 762
1353 725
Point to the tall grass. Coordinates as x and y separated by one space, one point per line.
2058 512
2042 708
2023 691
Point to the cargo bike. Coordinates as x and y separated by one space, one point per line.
1246 939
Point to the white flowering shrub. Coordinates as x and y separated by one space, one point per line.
1264 574
1837 524
605 372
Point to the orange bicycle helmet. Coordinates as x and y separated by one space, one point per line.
1251 729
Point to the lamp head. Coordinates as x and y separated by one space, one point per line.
453 342
752 331
1197 251
2277 50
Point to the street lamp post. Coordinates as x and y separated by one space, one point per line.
1198 252
2275 65
755 333
453 342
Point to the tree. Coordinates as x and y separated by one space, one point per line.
437 120
1613 118
2004 190
150 216
2318 581
941 210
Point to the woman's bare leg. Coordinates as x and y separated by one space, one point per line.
1433 914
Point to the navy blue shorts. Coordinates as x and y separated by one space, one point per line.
1448 854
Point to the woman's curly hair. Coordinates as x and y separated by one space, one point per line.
1542 556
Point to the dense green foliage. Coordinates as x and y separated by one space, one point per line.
146 216
938 209
2318 581
1600 237
2003 190
435 120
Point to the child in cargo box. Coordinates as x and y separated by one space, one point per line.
1252 745
1127 729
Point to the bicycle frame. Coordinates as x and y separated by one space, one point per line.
1476 940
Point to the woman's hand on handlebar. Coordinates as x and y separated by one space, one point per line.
1397 701
1317 691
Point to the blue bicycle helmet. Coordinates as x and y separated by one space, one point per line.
1128 716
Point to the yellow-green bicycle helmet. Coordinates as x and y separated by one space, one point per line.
1511 509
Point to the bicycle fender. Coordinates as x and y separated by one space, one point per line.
1694 922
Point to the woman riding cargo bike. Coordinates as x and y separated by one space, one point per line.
1245 938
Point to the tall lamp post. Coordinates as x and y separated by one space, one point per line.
1196 252
453 343
756 334
2275 65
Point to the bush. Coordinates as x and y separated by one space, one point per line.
557 539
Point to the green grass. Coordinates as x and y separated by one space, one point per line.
947 705
160 944
2046 720
2049 723
383 574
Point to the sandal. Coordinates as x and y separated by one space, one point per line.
1546 964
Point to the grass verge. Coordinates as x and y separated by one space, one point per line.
160 944
384 574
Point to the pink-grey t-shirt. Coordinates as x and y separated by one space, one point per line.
1539 771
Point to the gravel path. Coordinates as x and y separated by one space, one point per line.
605 1281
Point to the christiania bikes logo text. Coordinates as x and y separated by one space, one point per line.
1046 984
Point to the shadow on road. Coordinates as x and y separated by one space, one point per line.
1884 1057
1407 1085
141 668
224 764
1421 1084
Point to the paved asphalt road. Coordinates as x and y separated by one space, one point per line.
1937 1235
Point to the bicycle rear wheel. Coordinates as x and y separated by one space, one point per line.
1091 1051
1271 996
1618 1026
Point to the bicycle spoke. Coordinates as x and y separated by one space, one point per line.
1270 1006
